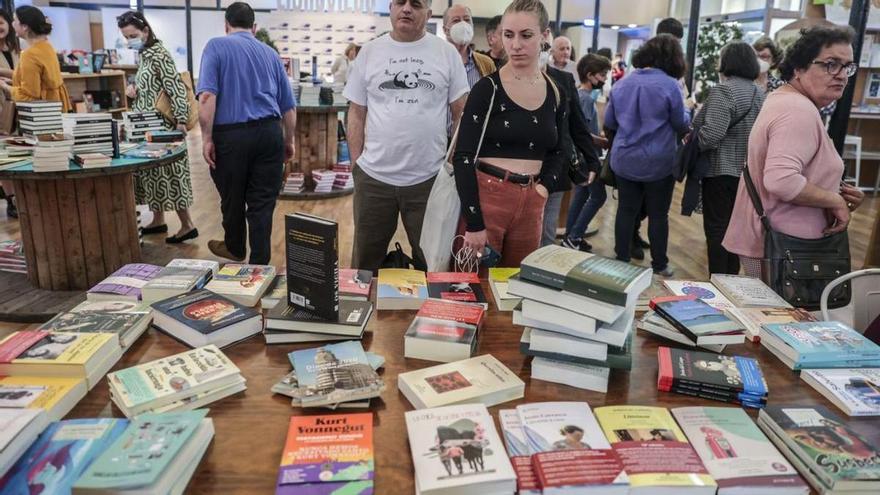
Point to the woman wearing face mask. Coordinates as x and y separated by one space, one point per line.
724 125
342 65
8 63
769 56
792 160
503 179
169 187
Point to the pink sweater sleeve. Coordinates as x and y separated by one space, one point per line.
792 142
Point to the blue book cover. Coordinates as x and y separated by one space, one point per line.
60 455
204 311
335 373
694 317
825 341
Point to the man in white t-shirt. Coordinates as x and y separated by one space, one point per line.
400 90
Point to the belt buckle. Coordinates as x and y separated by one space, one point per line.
527 183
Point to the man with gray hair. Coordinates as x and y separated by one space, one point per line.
560 56
459 29
401 89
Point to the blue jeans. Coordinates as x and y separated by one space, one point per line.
585 203
551 218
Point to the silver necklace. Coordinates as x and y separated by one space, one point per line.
533 80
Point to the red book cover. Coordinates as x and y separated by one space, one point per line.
456 286
526 479
447 321
582 467
471 314
17 343
355 283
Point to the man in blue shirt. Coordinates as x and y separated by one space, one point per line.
248 119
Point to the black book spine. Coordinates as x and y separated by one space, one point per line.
658 309
313 266
115 136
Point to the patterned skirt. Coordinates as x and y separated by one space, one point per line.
167 188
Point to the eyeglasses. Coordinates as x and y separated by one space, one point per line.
833 67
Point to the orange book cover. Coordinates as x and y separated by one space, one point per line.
325 453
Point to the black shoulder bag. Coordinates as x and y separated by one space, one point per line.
799 269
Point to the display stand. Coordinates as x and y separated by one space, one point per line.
79 226
316 141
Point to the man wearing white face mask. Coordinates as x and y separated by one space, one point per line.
459 29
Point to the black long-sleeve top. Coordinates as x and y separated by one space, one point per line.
512 132
576 136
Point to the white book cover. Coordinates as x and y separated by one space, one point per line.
457 447
550 426
748 292
459 382
197 264
514 434
857 391
705 291
15 421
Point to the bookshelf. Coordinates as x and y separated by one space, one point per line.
113 81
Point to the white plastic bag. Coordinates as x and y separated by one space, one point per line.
441 221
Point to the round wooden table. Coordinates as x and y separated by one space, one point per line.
79 225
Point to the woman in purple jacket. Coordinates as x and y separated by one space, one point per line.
647 115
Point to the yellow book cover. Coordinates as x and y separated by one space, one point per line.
502 274
63 348
399 282
654 450
36 391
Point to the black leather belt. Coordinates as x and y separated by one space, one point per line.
504 174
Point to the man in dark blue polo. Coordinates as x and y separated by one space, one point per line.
248 119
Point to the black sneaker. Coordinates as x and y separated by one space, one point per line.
637 252
577 244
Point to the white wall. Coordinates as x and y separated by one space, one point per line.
582 39
70 28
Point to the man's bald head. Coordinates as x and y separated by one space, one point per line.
561 50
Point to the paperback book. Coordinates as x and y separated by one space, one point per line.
755 318
480 379
822 344
444 331
658 326
740 458
290 387
128 319
202 317
705 291
276 293
456 286
401 289
328 455
748 292
582 376
312 264
172 281
19 428
56 395
355 284
457 450
856 391
712 376
519 452
124 283
700 322
583 305
498 283
618 357
352 319
244 284
335 373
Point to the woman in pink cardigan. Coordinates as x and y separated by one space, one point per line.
792 160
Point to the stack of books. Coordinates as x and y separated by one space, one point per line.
92 132
344 166
457 450
834 456
202 317
55 395
456 286
444 331
344 452
287 324
180 382
335 374
138 124
856 391
698 321
127 319
344 180
482 379
124 284
324 180
400 288
652 323
747 292
290 387
755 318
821 344
92 160
157 453
578 309
12 257
21 427
295 183
178 277
498 278
734 379
244 284
558 447
36 118
16 147
52 153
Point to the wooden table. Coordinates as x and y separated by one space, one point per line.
78 226
251 427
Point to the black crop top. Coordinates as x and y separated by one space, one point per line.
512 132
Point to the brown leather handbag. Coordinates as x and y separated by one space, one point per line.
163 104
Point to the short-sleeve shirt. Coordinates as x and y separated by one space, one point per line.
406 88
247 78
588 106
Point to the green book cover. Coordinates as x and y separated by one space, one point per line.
143 452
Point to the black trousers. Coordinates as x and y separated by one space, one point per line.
633 196
719 196
248 174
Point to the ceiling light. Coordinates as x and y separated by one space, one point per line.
615 27
589 22
632 25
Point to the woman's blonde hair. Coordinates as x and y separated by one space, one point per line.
533 7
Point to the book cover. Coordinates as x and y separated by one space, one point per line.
196 264
312 264
142 453
824 341
176 278
335 373
748 292
399 283
518 450
55 347
478 379
693 317
704 291
447 321
355 283
456 286
204 311
60 455
593 468
117 317
553 426
502 274
856 389
582 273
754 318
351 313
836 451
328 454
646 439
705 370
458 446
734 450
290 387
241 280
171 376
127 281
33 392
